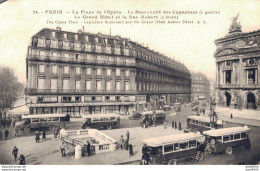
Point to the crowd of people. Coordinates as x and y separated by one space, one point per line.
124 144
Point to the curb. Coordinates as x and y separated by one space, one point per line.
127 162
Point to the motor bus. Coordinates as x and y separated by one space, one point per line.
152 117
42 121
201 123
107 121
172 149
226 139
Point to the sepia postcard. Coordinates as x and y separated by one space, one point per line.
85 83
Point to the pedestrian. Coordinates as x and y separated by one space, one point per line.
231 116
179 125
127 135
172 124
15 152
37 136
121 142
88 148
146 124
62 149
165 124
131 152
16 132
6 134
126 144
1 135
22 159
175 125
43 135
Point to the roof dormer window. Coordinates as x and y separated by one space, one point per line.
53 34
65 35
76 37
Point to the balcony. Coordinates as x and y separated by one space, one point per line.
74 60
73 91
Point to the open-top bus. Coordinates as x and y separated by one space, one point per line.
42 121
201 123
172 148
225 139
153 117
107 121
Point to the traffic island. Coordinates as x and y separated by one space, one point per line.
76 142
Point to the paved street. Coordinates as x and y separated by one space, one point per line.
47 152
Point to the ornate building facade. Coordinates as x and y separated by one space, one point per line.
83 73
238 65
200 87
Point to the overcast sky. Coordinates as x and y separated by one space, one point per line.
192 44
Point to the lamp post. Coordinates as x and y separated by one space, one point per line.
213 115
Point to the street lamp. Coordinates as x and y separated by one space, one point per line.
213 113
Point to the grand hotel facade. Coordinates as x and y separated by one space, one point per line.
238 68
82 73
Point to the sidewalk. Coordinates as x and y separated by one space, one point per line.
246 117
47 152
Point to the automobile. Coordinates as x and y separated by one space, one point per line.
166 107
135 115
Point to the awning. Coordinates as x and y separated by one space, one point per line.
22 110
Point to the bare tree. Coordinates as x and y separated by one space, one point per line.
10 88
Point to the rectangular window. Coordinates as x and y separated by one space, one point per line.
88 71
98 71
228 77
108 72
168 148
77 56
66 70
54 84
98 85
117 72
192 143
127 73
251 76
88 85
118 86
126 85
176 146
41 83
231 137
183 145
108 85
226 138
243 135
66 55
77 70
65 84
54 69
77 84
41 69
236 136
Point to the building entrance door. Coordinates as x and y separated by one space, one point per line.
250 101
228 99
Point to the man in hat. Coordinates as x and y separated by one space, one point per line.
15 152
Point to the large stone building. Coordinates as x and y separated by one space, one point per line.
200 87
83 73
238 68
